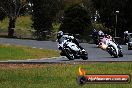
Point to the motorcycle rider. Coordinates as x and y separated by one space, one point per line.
126 37
95 36
100 33
61 37
105 37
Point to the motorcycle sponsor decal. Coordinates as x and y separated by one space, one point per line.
101 78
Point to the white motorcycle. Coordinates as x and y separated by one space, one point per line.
72 51
111 47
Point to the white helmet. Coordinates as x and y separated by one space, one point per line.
59 34
101 33
126 32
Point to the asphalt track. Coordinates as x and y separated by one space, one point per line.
94 54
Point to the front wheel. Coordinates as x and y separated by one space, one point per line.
69 54
112 51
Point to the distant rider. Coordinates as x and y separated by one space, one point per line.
126 37
95 36
104 38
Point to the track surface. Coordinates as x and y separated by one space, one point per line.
94 54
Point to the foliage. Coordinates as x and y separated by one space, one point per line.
69 3
12 10
2 15
76 20
99 26
44 12
107 10
88 4
23 27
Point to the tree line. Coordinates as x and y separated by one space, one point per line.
75 16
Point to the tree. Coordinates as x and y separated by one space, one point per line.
12 9
88 4
44 12
128 15
76 20
107 10
2 15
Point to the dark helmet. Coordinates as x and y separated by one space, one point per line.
94 30
59 34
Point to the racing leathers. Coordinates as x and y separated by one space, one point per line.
65 37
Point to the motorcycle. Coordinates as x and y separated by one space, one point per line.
111 47
72 51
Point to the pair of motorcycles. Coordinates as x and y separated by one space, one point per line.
72 51
111 47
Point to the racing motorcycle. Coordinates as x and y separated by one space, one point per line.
111 47
72 51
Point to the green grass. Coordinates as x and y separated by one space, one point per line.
13 52
59 75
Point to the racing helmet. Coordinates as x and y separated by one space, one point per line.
94 30
109 37
126 32
59 34
102 35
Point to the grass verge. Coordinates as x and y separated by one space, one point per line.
13 52
58 75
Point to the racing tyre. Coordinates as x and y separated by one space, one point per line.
69 54
113 51
85 57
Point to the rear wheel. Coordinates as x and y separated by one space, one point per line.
120 55
85 57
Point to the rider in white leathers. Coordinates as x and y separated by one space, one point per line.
61 37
